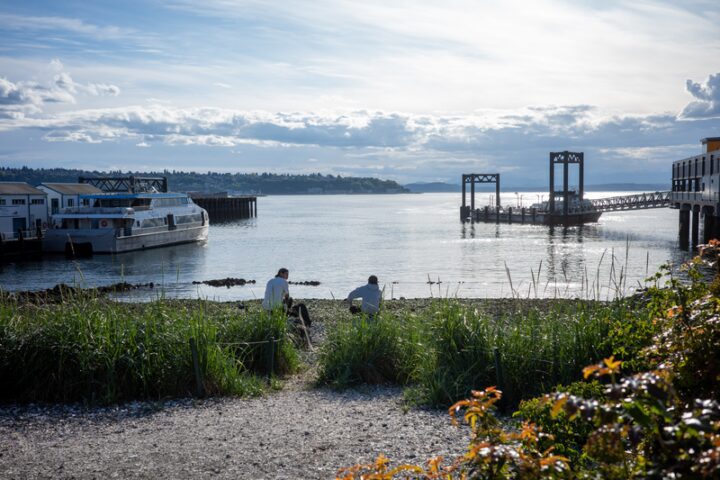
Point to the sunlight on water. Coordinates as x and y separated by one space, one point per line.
411 242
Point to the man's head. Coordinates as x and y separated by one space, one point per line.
283 273
372 280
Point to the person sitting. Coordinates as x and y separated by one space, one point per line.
277 291
277 295
371 296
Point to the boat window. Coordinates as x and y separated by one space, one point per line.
189 218
141 202
113 202
169 202
153 222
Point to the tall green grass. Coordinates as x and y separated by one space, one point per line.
373 351
452 348
523 354
89 349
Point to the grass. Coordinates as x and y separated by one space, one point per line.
523 354
368 351
450 348
86 348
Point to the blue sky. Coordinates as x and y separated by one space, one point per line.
410 91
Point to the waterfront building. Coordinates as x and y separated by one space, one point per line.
23 210
696 193
67 195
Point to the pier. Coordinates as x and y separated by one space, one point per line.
225 208
565 206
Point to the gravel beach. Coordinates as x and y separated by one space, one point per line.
298 431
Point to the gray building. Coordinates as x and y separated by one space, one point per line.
66 195
23 208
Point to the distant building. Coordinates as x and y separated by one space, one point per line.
696 193
67 195
22 208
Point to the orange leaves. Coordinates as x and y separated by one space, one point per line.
379 470
476 407
609 366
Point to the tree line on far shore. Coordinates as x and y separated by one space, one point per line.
210 182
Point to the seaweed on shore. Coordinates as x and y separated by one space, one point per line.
225 282
62 290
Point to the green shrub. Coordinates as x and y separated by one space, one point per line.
564 435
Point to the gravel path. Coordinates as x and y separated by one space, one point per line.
298 432
293 433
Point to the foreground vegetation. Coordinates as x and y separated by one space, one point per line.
652 413
86 348
448 349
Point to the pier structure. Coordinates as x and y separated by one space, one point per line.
225 208
566 206
696 194
566 159
128 184
470 212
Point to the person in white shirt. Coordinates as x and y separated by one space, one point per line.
371 296
277 295
277 291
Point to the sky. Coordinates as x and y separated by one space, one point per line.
419 91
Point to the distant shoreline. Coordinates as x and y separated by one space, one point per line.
603 187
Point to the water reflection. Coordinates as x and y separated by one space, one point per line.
403 239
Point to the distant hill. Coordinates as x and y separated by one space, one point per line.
233 183
434 187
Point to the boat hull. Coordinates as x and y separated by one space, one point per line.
112 240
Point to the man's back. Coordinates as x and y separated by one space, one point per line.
371 296
275 292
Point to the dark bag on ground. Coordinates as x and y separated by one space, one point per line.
300 309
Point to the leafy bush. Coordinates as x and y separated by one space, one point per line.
641 430
564 435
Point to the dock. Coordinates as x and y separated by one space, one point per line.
227 208
564 207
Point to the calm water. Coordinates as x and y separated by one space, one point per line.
406 240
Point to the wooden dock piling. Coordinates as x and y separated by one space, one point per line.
223 209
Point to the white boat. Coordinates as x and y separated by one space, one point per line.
122 222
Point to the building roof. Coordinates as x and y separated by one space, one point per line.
72 188
18 188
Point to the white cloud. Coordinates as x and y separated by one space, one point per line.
18 99
708 98
44 23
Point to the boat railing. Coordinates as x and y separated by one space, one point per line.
21 234
96 210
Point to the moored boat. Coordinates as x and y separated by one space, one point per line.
122 222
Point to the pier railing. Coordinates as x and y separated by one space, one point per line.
632 202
